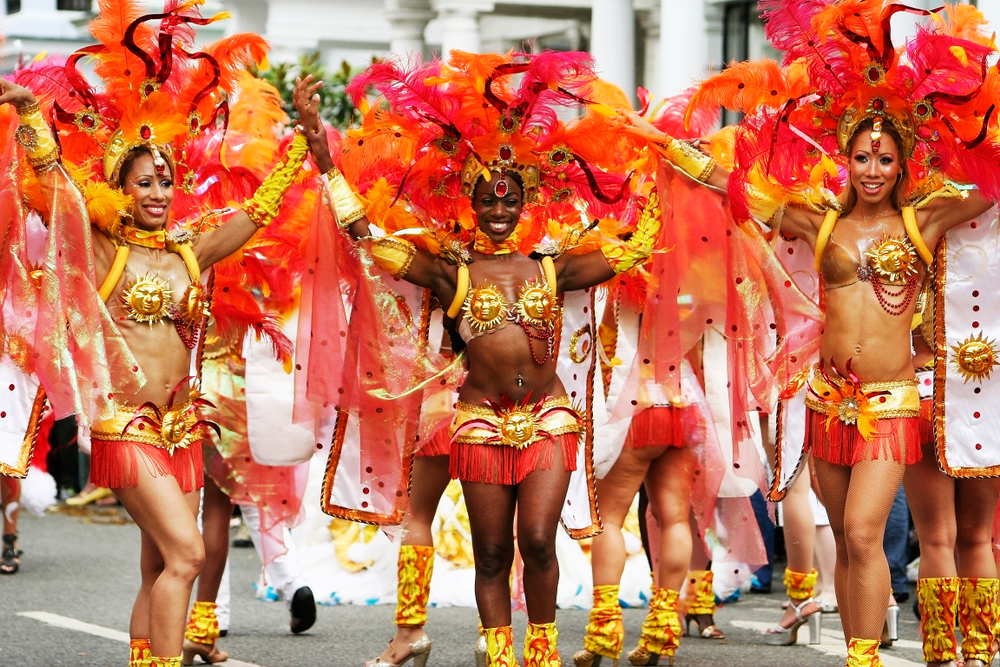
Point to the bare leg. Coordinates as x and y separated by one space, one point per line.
616 491
217 510
10 496
540 500
172 556
668 484
430 478
834 481
491 517
931 496
975 500
826 563
871 490
800 536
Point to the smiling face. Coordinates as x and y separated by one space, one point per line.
151 194
497 216
874 175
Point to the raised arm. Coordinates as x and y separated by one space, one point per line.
940 215
682 155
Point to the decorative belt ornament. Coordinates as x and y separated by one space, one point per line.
516 424
177 426
842 397
975 358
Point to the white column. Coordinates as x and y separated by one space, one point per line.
408 20
683 47
248 16
460 24
612 42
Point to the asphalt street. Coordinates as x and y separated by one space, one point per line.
70 604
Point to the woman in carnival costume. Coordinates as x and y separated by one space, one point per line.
887 129
119 316
485 175
668 446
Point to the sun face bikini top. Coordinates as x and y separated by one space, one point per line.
487 310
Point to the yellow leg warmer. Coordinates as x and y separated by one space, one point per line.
938 602
977 616
414 569
540 645
863 653
203 627
800 585
605 631
138 652
699 593
157 661
661 631
500 647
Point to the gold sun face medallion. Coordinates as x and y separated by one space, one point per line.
147 299
975 358
893 259
534 304
485 308
517 427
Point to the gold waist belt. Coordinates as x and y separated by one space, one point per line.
862 404
512 424
167 427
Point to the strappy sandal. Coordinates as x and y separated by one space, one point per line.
10 558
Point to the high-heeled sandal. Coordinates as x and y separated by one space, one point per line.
585 658
782 636
710 631
481 660
890 630
209 653
640 656
10 558
420 650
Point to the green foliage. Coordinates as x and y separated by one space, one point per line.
335 106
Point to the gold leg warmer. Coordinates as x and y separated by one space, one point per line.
605 631
139 653
661 631
414 569
863 653
540 645
938 602
977 616
203 627
699 593
800 585
500 647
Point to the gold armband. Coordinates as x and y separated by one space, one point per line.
35 137
266 202
688 159
394 255
625 256
346 204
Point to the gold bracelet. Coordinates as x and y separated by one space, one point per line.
394 254
688 159
34 136
623 257
346 204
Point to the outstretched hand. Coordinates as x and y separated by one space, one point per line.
305 97
19 96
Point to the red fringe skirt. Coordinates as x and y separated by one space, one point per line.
926 421
439 444
114 464
503 464
661 426
843 445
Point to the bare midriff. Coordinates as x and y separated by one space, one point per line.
499 359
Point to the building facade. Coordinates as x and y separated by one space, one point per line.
662 45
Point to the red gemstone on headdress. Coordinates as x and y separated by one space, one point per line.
146 132
922 109
500 189
506 152
559 156
874 74
88 121
447 146
194 123
878 104
507 123
935 161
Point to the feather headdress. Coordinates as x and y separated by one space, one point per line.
440 126
842 70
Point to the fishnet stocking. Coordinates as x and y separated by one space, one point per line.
858 500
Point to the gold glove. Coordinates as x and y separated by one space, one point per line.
266 202
688 159
394 255
35 137
346 204
625 256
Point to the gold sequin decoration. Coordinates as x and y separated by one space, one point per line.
975 358
893 259
147 299
517 427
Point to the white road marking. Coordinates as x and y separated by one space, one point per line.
99 631
833 643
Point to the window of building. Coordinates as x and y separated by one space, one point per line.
72 5
743 39
13 6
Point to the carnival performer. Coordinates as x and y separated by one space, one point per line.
954 520
900 123
482 162
121 348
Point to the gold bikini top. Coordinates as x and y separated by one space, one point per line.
487 310
148 298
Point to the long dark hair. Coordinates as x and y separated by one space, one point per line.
896 197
